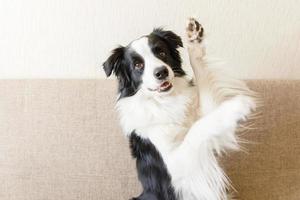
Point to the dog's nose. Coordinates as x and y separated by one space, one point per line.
161 73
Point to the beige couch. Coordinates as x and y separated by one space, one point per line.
60 140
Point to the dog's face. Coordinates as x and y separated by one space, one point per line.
149 63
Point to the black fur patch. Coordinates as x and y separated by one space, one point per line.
151 169
121 62
169 42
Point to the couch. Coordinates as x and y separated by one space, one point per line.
61 140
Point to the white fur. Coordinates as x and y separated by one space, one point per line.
190 125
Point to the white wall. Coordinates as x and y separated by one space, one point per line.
71 38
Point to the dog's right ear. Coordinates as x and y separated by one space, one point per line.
169 36
114 61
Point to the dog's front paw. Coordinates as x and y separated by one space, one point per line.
194 31
240 107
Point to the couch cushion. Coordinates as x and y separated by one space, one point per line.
60 139
270 167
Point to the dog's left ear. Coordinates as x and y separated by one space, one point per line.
169 36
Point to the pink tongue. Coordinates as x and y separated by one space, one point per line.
164 84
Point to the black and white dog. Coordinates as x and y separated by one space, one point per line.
177 127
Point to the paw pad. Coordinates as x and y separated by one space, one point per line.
194 30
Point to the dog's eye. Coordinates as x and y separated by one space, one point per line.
139 65
162 54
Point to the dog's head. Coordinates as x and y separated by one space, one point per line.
149 63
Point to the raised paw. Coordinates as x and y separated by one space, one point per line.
194 31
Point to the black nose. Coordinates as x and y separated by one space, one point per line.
161 73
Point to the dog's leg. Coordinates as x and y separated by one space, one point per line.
199 142
204 78
213 87
196 52
223 119
214 90
195 44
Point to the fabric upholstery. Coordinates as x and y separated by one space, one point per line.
60 139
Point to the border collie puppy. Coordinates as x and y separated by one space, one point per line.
177 127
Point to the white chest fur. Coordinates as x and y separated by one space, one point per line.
141 112
165 121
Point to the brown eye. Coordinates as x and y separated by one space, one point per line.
139 65
162 54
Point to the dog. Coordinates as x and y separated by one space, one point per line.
177 126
